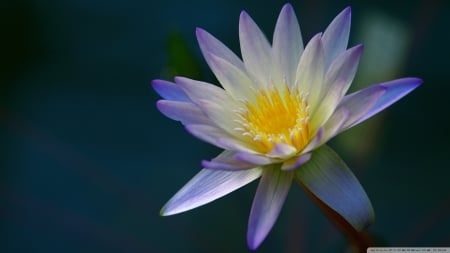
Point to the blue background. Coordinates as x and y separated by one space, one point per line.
87 161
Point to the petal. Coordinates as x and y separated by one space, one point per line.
255 49
355 106
333 126
330 180
210 45
169 91
282 150
253 158
295 162
314 142
217 137
287 45
393 91
335 37
206 186
233 79
337 81
310 71
227 160
215 102
198 90
187 113
269 198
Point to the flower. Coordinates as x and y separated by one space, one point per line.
277 109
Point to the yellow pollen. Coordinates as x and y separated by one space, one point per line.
276 117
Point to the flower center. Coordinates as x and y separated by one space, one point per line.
277 117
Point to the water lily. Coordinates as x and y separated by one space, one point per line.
278 107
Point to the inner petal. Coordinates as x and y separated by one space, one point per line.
276 115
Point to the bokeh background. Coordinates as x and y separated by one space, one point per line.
86 160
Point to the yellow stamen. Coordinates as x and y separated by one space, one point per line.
276 117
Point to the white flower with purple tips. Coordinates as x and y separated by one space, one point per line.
278 107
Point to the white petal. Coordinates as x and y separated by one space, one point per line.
295 162
310 71
287 46
267 204
170 91
335 37
218 137
393 91
187 113
206 186
253 158
255 49
337 81
210 45
233 79
227 161
282 150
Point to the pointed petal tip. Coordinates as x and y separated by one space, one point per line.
200 33
243 15
252 242
410 83
347 10
287 7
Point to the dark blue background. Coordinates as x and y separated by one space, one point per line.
87 160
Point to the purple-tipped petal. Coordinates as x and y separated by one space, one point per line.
169 91
233 79
330 180
198 90
334 125
296 162
255 49
210 45
337 81
253 158
215 102
394 90
282 150
315 141
335 37
217 137
187 113
269 198
310 71
287 45
227 161
206 186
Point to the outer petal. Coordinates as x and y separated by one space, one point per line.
287 46
335 37
198 90
295 162
187 113
169 91
210 45
394 90
310 71
215 102
353 106
329 179
232 160
206 186
255 50
269 198
226 161
337 81
235 80
218 137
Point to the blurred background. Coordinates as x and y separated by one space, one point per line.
87 161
